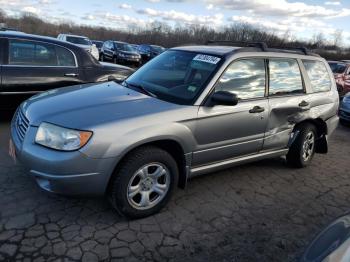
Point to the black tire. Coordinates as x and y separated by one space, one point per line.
118 189
295 154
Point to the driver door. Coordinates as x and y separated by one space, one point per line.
224 132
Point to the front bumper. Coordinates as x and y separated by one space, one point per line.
68 173
129 59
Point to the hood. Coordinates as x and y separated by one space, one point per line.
85 106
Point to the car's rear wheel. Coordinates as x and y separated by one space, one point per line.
143 183
302 150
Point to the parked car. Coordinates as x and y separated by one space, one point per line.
32 64
341 71
98 44
149 52
332 244
81 41
189 111
120 53
136 47
344 110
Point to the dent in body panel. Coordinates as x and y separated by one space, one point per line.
284 114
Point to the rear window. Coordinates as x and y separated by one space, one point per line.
318 75
78 40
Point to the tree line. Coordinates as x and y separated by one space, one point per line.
162 34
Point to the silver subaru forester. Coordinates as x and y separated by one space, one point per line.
189 111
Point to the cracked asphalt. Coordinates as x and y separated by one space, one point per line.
263 211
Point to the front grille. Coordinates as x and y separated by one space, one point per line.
20 124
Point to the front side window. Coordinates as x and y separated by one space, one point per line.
285 77
245 78
176 76
33 53
318 75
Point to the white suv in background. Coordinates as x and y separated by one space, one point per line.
81 41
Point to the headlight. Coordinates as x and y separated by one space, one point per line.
61 138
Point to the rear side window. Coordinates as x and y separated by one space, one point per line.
245 78
318 75
33 53
285 77
64 57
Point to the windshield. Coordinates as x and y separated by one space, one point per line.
125 47
176 76
337 68
156 48
78 40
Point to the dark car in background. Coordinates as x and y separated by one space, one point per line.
119 53
344 110
32 64
98 44
341 71
149 52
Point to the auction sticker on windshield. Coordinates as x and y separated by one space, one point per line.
207 59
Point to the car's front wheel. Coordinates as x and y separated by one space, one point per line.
302 150
143 183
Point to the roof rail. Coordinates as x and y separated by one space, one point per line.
302 49
261 45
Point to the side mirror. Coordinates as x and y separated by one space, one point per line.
224 98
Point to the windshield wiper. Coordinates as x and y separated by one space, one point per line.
142 88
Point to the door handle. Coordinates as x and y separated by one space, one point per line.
71 74
303 104
256 109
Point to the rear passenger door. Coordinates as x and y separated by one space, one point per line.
288 101
34 66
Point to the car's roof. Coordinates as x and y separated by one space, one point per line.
208 49
81 36
336 62
52 40
121 42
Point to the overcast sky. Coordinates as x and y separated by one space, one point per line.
302 18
